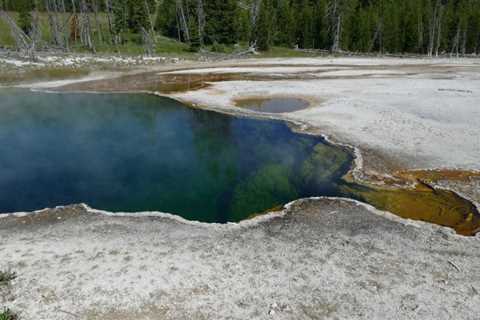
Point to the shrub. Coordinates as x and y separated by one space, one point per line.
220 48
7 314
5 277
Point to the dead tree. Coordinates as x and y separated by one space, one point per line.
254 12
51 7
85 27
148 42
458 47
182 20
200 21
149 14
74 24
456 42
334 14
148 37
378 35
464 42
35 34
97 23
24 43
420 43
439 30
435 28
115 39
64 26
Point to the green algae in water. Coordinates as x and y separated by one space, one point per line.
134 153
442 207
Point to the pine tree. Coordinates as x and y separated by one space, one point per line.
221 21
285 22
166 22
392 34
320 29
120 15
195 42
244 25
307 28
420 26
25 18
360 31
471 37
137 16
410 26
264 26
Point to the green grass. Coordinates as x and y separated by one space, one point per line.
7 314
276 52
5 278
10 77
132 46
6 39
167 45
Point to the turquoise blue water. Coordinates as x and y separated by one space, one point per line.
131 153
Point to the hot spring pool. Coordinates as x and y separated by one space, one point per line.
137 152
131 153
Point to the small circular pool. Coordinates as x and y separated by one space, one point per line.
273 105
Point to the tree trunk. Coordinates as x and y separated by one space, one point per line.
377 36
23 42
201 21
335 25
74 23
36 35
53 21
420 29
85 27
108 10
433 28
464 42
456 42
97 23
147 42
336 37
254 11
183 21
149 14
439 30
64 26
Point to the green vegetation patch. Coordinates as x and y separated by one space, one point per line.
6 277
271 184
7 314
323 165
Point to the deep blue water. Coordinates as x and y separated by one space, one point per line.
131 152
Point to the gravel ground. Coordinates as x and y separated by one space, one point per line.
324 259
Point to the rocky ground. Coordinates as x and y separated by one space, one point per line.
324 259
320 259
